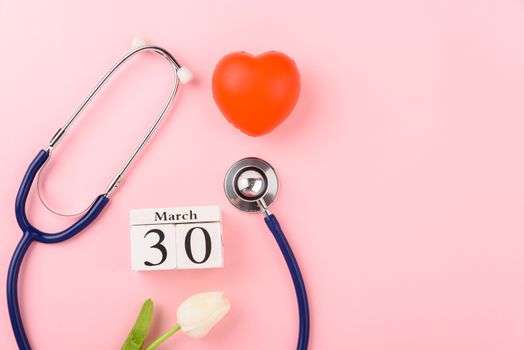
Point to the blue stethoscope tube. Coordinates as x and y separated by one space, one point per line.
30 235
298 281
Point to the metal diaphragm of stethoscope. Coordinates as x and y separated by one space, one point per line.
251 185
32 234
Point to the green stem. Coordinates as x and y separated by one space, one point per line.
164 337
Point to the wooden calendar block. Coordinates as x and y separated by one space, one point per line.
153 247
199 245
170 238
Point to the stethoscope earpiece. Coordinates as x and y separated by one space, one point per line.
183 74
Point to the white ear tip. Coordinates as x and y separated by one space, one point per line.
138 42
184 75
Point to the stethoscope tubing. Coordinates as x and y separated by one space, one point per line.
298 282
30 235
12 292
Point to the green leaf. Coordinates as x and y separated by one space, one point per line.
138 334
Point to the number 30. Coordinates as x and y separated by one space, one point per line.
187 244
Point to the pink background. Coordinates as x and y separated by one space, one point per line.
401 170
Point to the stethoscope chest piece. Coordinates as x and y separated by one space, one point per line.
251 184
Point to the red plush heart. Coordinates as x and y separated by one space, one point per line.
256 93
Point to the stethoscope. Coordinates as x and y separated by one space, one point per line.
32 234
251 185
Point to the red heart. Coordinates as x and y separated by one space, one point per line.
256 93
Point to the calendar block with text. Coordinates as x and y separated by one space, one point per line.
171 238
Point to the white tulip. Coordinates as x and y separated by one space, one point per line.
199 313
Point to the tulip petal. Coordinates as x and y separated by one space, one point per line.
199 313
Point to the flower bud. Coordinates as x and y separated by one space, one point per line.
199 313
